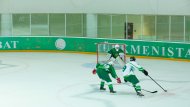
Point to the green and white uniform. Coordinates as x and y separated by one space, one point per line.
129 76
116 54
103 71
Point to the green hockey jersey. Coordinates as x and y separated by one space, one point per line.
103 70
114 53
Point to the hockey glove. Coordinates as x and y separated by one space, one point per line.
121 54
118 80
125 80
145 72
94 71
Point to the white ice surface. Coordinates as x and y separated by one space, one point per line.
65 80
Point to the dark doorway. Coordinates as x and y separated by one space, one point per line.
128 30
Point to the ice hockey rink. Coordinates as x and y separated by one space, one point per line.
42 79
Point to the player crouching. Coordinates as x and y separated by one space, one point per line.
116 54
103 71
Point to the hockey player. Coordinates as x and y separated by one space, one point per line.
117 54
103 71
129 76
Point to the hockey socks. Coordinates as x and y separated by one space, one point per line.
138 90
111 88
102 86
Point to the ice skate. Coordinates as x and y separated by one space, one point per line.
101 88
140 94
112 91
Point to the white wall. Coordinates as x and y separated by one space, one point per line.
169 7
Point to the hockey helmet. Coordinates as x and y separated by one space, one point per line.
117 46
132 58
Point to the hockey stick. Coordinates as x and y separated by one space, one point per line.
143 89
157 83
149 91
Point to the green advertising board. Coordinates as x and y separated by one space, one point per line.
133 47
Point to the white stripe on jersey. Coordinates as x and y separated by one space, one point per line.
130 67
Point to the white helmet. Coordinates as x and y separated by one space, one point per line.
117 47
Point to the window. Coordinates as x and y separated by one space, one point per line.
74 25
118 22
177 28
162 26
137 28
39 24
0 25
6 24
21 24
149 28
187 28
104 26
57 24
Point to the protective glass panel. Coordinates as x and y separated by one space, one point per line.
162 28
187 28
57 24
149 28
137 28
74 25
118 22
0 24
104 26
21 24
39 24
177 28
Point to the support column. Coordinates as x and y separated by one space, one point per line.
6 24
91 25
